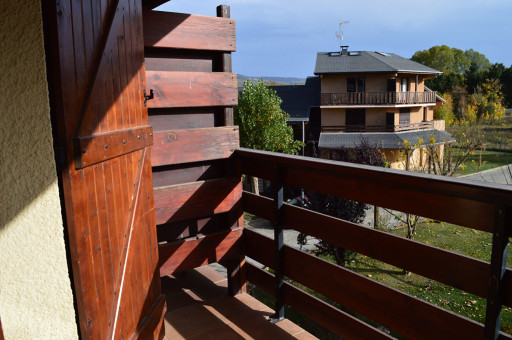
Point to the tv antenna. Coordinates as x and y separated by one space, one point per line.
339 33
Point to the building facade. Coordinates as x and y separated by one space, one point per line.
380 98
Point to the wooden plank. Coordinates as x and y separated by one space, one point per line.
193 145
195 200
178 230
192 89
152 325
453 200
182 118
184 64
185 173
395 310
343 324
459 271
102 146
199 251
185 31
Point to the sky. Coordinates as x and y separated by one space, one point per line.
281 38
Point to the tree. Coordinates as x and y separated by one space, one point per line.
486 104
444 58
506 83
263 124
441 159
348 210
460 68
445 111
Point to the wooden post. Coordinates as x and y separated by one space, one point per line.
375 217
496 286
223 11
278 247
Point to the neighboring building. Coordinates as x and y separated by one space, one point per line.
301 102
379 97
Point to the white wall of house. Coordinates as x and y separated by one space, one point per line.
36 299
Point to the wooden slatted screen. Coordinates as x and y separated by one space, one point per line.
97 78
188 67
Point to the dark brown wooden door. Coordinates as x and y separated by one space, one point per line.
97 79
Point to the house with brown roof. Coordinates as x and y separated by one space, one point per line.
379 97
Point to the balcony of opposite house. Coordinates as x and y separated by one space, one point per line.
378 98
380 128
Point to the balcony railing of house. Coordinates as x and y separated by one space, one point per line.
473 205
377 98
378 128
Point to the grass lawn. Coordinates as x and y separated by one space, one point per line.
498 144
461 240
489 160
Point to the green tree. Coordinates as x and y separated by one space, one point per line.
444 58
460 68
445 111
486 104
478 60
263 124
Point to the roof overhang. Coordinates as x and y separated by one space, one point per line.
383 140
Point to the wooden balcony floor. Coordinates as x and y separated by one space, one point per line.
198 308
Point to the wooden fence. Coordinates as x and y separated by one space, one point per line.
465 203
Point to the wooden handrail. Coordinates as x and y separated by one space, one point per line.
444 266
471 204
378 98
459 201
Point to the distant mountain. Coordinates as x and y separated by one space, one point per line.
275 80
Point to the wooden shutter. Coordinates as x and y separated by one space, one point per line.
97 80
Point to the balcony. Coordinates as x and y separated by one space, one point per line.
378 98
470 204
378 128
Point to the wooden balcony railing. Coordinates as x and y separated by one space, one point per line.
470 204
377 98
378 128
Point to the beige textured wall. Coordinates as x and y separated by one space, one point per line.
332 117
337 83
377 116
416 115
36 300
333 83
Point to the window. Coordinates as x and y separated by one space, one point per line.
391 86
356 84
390 118
355 117
405 117
360 85
404 85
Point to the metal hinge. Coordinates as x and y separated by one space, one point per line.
146 98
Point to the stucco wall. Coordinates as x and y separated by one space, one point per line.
35 290
337 83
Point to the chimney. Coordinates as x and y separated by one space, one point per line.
344 50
